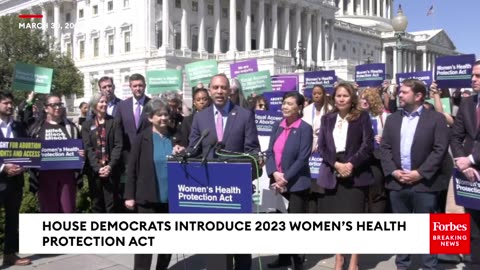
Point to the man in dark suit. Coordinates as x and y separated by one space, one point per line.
465 137
226 122
235 128
107 87
11 183
130 114
413 176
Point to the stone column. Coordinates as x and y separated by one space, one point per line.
350 7
326 34
424 60
201 26
233 26
362 8
165 25
286 27
261 24
184 25
309 39
377 10
332 39
56 21
248 25
414 60
216 15
370 7
340 6
298 25
395 62
385 9
320 40
384 55
274 25
44 17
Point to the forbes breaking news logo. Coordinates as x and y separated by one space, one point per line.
449 234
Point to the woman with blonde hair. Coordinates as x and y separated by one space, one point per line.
371 102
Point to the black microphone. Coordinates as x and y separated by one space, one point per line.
204 134
212 145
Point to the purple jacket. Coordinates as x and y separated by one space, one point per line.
358 150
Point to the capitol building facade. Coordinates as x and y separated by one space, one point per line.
121 37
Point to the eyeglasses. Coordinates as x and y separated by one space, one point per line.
55 105
261 105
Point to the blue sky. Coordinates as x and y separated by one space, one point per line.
456 17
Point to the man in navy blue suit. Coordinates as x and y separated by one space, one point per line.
107 87
235 127
130 113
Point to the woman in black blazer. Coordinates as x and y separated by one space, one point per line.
102 137
146 188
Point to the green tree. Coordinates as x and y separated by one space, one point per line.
32 47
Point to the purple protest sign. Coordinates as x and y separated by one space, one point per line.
61 155
274 100
326 78
21 151
370 75
285 83
467 193
243 67
314 163
265 121
454 71
425 76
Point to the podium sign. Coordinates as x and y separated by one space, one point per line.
215 187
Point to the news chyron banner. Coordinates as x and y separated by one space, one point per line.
245 233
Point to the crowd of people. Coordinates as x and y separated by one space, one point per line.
383 151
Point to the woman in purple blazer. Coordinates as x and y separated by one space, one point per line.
345 142
287 163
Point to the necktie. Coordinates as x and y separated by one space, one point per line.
219 126
137 115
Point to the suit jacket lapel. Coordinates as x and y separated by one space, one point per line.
108 126
421 122
232 115
131 117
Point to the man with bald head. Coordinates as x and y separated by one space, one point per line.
235 127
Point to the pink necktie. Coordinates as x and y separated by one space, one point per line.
137 115
219 126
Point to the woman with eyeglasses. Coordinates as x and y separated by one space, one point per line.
103 140
201 100
260 103
345 142
146 189
237 97
56 188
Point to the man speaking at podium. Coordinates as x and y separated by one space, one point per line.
235 128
